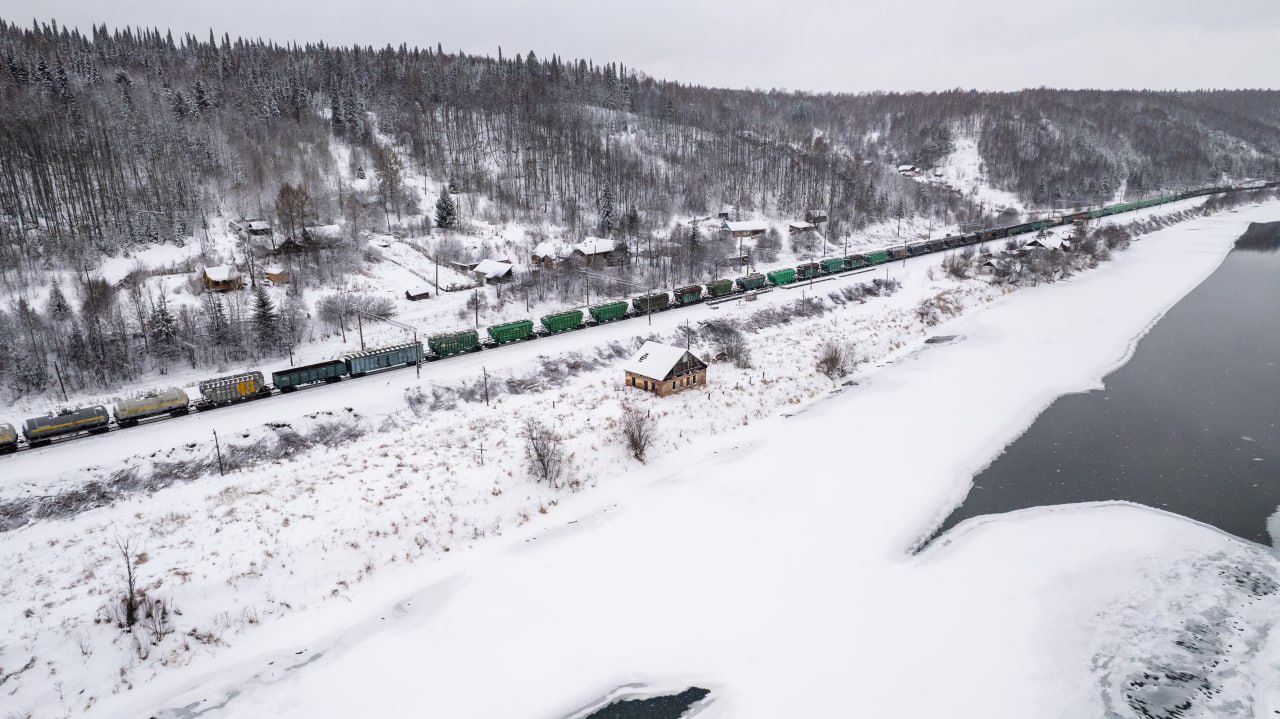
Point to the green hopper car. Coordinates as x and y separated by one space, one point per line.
562 321
689 295
832 264
608 311
511 331
454 343
719 288
877 257
783 276
294 377
750 282
650 303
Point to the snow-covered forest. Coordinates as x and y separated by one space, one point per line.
129 139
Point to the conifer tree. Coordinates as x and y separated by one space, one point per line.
266 322
163 331
446 211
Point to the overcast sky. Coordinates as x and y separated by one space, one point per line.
815 45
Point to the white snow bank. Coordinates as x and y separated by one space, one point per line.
767 563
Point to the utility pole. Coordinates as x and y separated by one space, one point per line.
360 325
58 371
486 385
217 447
482 455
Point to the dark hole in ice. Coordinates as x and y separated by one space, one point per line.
672 706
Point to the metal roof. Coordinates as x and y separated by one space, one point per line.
746 226
655 360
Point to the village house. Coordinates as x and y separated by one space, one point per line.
663 369
250 228
797 228
594 249
815 216
276 275
746 228
493 271
546 254
222 278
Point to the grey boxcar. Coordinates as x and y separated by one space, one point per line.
369 360
39 430
170 401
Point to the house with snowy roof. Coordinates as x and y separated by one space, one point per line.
663 369
222 278
548 253
493 271
598 248
746 228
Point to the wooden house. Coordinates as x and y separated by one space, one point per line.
418 293
797 228
815 216
663 369
746 228
276 275
595 249
222 278
493 271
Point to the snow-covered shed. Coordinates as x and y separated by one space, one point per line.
597 248
1049 242
815 216
221 278
663 369
796 228
422 292
493 270
746 228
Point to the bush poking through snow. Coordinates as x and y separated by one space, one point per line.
639 430
834 359
544 451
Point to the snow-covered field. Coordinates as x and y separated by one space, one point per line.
761 553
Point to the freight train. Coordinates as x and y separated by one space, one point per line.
246 386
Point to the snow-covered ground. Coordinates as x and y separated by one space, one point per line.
762 550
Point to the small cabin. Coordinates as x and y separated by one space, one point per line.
417 293
546 254
493 271
250 228
815 216
747 228
276 275
222 278
663 369
599 248
798 228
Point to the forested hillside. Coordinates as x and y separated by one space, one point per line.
125 139
134 135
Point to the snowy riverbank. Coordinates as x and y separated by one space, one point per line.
766 560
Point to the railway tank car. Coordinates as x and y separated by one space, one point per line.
40 431
8 439
173 402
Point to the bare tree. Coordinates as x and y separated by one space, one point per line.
639 430
130 601
293 205
834 358
544 451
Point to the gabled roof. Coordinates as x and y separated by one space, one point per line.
551 249
655 360
221 273
801 225
595 246
493 268
1052 242
258 225
746 226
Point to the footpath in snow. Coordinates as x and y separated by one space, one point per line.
768 560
